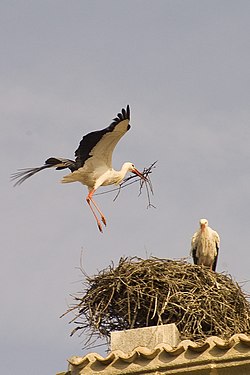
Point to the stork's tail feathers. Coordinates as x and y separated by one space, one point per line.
57 163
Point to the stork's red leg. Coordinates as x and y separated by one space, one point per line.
97 220
90 199
100 212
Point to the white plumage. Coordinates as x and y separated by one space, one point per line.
93 162
205 246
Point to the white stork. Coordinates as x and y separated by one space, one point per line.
93 162
205 246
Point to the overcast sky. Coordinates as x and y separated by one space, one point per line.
67 68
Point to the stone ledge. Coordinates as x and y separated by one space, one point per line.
148 337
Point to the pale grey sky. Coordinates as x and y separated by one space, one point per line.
67 68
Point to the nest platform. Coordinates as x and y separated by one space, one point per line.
142 293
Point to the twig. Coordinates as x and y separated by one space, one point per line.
125 183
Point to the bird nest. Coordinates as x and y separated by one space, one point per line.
142 293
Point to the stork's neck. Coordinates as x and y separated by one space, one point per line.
205 233
119 175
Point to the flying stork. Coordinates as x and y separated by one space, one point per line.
205 246
93 162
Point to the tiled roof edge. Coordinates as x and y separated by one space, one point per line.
146 353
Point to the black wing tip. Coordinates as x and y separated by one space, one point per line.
128 111
23 174
123 115
214 265
195 259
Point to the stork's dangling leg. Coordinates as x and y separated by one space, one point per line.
97 220
100 212
89 199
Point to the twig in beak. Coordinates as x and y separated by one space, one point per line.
143 179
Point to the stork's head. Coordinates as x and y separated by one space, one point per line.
131 168
203 224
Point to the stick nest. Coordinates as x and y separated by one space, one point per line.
142 293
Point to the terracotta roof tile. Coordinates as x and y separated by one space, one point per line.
213 348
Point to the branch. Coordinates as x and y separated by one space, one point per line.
133 179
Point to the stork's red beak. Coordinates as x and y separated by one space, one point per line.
202 227
139 174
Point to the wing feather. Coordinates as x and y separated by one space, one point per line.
215 258
217 244
58 163
100 144
194 248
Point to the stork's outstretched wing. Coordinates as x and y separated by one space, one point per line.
100 144
95 145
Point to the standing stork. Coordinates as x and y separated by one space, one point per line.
205 246
93 162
